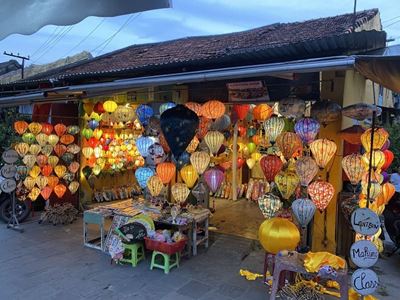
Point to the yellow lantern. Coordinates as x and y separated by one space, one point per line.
110 106
42 139
97 169
193 145
277 234
323 151
73 187
35 127
380 138
41 181
353 167
97 133
98 152
29 182
250 163
374 190
60 170
22 149
34 193
274 127
34 149
189 175
378 159
287 182
200 161
53 139
87 152
29 160
180 192
214 140
155 185
256 156
34 171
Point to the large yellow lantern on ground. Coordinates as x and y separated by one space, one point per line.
353 167
323 151
200 161
378 159
189 175
214 140
380 138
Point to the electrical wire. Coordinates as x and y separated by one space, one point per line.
392 23
52 36
384 21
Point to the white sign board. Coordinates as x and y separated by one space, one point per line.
364 281
8 171
364 254
364 221
8 185
10 156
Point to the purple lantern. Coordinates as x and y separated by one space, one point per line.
386 145
307 129
214 178
385 177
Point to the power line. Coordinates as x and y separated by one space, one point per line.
53 40
384 21
392 23
49 39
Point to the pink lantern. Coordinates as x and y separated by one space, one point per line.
214 178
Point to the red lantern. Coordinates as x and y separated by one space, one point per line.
60 129
47 128
242 130
20 127
389 156
98 108
240 162
46 192
271 165
321 193
241 110
46 170
60 149
41 160
93 142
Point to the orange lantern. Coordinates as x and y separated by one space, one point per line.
34 193
60 129
166 171
213 109
323 151
375 176
52 181
35 127
321 193
262 112
289 143
204 125
352 134
46 170
193 145
196 107
60 149
67 139
387 192
60 190
200 161
189 175
47 128
73 167
163 143
256 139
380 138
20 127
353 167
42 160
46 192
377 162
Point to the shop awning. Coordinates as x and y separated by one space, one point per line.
383 70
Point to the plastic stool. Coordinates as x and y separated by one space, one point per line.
134 253
169 262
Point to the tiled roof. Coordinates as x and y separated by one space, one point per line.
204 48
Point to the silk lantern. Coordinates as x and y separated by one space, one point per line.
380 138
165 106
193 145
352 134
262 112
92 142
143 143
292 107
377 162
180 192
271 165
213 109
60 129
60 149
375 189
47 150
256 156
269 205
95 119
98 108
278 234
34 194
189 175
110 106
124 113
35 127
87 152
46 192
214 178
144 113
60 190
326 111
47 170
307 129
142 174
97 169
241 110
73 129
387 192
166 171
273 127
60 170
52 181
42 139
222 123
41 160
87 133
22 149
304 210
155 185
67 139
34 149
29 160
73 148
321 193
22 171
389 156
323 151
20 127
307 169
289 143
251 147
73 187
41 181
47 128
53 139
67 158
214 140
250 163
353 167
287 182
28 138
29 182
195 107
375 176
200 161
34 172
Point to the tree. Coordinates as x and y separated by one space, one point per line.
394 136
7 134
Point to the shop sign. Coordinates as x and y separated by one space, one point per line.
10 156
251 91
364 281
364 221
8 185
8 171
364 254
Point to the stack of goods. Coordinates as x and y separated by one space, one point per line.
256 188
59 214
225 190
116 193
165 241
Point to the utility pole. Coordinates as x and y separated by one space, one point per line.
21 57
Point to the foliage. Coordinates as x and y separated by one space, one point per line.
7 134
394 136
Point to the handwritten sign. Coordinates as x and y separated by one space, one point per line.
8 185
136 230
364 221
10 156
8 171
364 281
364 254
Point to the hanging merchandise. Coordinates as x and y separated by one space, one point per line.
204 126
60 129
269 205
304 210
28 138
377 162
321 193
144 113
289 143
34 149
42 139
29 182
361 111
251 147
97 108
287 182
221 124
307 129
292 107
380 138
124 114
156 154
60 190
274 127
189 175
213 109
34 172
180 192
86 132
35 127
60 170
183 160
110 106
241 110
352 134
375 189
353 167
200 161
166 171
214 178
307 169
29 160
323 151
194 143
41 160
47 170
46 192
22 149
387 192
34 193
386 145
143 143
73 148
73 187
389 156
214 140
52 181
262 112
250 163
326 111
20 127
67 139
47 150
271 165
41 181
142 174
195 107
155 185
67 158
73 129
93 124
47 128
87 152
166 106
60 149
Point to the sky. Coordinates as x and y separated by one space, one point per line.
186 18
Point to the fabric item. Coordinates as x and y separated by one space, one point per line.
395 180
251 276
313 261
353 295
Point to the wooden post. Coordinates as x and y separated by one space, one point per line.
234 162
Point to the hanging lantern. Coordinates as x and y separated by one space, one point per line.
389 156
34 172
47 170
47 128
221 124
166 171
271 165
375 176
204 125
87 152
97 169
92 142
20 127
361 111
262 112
35 127
22 171
193 145
214 178
29 182
386 145
96 118
214 140
180 192
110 106
307 169
67 158
73 187
34 149
53 139
88 107
34 194
374 190
41 160
60 190
46 192
143 143
269 205
97 133
256 156
47 150
380 138
41 181
304 210
60 129
166 106
60 149
251 147
42 139
29 160
195 107
292 107
321 193
189 175
144 113
73 148
241 110
289 143
287 182
353 167
28 138
323 151
67 139
326 111
52 181
274 127
22 149
124 113
155 185
352 134
142 174
377 162
213 109
98 108
87 133
250 162
200 161
307 129
387 192
60 170
73 129
164 143
278 234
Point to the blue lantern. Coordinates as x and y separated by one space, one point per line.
93 124
144 113
221 123
307 129
165 106
143 143
142 175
